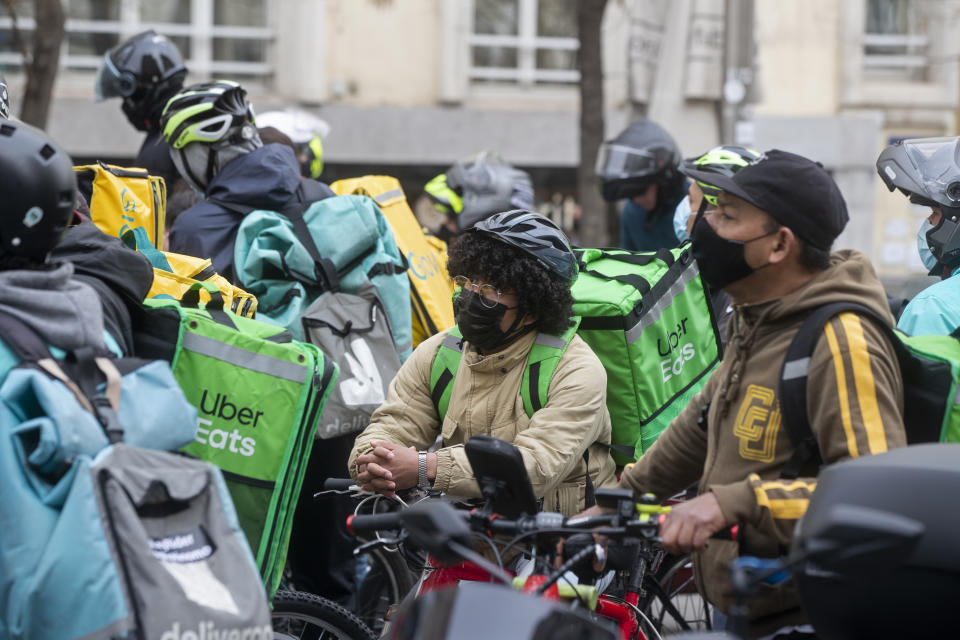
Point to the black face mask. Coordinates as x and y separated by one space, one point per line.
480 325
721 261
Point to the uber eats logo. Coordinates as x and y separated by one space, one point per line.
227 414
675 350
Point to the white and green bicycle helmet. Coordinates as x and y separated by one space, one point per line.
724 160
208 125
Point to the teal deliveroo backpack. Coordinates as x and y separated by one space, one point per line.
105 533
287 259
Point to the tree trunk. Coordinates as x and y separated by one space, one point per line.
44 63
593 219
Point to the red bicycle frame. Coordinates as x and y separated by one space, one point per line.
439 576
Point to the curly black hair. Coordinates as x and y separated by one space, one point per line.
539 293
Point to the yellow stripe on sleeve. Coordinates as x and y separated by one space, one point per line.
863 377
782 509
842 398
779 485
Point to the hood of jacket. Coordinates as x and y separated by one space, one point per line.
850 278
65 312
265 178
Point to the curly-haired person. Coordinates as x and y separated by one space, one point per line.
514 270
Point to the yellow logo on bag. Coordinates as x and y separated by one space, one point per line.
122 199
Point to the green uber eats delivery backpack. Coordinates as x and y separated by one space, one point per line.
929 366
259 395
650 322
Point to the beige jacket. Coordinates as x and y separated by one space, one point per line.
855 405
485 399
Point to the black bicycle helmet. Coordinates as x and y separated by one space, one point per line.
927 170
206 126
37 188
145 71
4 100
535 235
724 160
643 154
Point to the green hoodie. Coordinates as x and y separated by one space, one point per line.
855 404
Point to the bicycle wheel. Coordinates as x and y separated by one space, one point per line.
304 616
388 580
690 611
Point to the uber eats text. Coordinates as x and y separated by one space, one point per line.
226 414
674 351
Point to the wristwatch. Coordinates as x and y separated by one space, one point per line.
422 482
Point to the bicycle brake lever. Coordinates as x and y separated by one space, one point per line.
373 544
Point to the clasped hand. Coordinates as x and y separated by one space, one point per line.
387 468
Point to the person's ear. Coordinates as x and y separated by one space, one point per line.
785 243
528 319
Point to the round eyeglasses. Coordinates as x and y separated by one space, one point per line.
489 294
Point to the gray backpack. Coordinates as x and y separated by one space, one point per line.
188 569
354 331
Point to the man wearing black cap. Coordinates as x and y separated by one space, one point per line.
768 246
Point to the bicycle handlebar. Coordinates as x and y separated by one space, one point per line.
543 521
357 524
337 484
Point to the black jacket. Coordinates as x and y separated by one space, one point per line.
154 156
120 276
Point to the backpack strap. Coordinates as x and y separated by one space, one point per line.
324 270
444 370
793 382
31 349
631 279
542 364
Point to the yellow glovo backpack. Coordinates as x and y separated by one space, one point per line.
431 290
174 274
122 199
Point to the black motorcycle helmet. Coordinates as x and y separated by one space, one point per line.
643 154
145 71
37 188
536 236
927 170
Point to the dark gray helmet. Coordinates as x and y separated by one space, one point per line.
145 71
927 170
37 188
643 154
488 185
536 236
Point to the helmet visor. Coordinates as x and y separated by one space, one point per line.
616 161
109 83
937 168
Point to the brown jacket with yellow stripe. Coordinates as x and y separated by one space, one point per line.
486 400
855 404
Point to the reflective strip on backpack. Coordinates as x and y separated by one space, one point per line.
652 316
387 196
245 359
795 369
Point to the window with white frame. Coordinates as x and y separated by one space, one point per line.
526 42
895 43
218 38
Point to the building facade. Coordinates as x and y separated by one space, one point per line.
408 86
